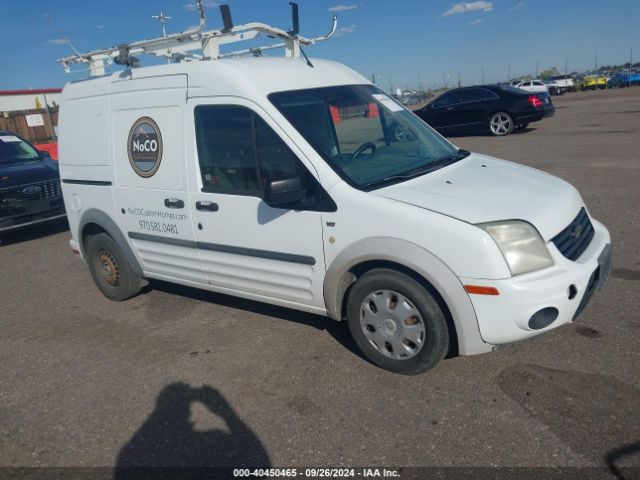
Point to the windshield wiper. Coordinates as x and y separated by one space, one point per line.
423 170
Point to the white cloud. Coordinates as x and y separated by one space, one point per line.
342 8
341 32
476 22
468 7
100 27
207 4
57 41
517 6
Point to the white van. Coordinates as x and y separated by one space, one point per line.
299 183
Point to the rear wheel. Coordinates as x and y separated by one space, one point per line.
109 268
396 322
501 124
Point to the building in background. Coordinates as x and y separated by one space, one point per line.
32 114
17 100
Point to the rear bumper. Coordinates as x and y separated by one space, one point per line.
505 318
537 115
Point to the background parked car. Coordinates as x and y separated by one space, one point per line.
591 82
29 184
552 88
501 109
560 84
536 86
624 79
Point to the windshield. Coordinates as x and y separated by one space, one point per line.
364 135
14 149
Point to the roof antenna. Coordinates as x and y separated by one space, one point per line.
162 18
225 11
62 35
295 21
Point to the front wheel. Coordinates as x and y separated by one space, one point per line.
109 268
396 322
501 124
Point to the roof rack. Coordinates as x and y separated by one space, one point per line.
197 44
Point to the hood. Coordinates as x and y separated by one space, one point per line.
482 189
24 173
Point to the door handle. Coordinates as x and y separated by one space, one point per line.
173 203
449 109
207 206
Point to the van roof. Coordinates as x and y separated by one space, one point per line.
246 77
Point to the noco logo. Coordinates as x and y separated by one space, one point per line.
145 147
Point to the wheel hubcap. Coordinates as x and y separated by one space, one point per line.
500 123
392 324
108 268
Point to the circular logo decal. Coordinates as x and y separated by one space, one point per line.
145 147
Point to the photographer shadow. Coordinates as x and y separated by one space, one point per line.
168 446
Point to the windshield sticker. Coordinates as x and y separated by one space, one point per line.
10 138
387 102
145 147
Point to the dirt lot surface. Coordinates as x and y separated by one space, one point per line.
178 376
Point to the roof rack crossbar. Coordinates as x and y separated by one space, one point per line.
197 44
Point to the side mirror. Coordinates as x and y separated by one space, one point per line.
284 191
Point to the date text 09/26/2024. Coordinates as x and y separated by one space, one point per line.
317 473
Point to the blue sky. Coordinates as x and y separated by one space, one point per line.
400 41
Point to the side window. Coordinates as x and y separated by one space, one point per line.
239 154
447 99
489 95
275 160
472 95
226 149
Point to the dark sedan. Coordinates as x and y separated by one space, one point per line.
499 108
29 184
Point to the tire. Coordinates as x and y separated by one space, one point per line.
408 341
501 124
109 268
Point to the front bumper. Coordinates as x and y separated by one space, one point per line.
20 221
504 318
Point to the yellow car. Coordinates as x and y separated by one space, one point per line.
591 82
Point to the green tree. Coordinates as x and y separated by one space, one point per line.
550 72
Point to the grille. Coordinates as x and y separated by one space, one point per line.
574 240
14 201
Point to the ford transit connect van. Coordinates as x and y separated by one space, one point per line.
299 183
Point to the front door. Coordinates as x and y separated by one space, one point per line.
245 244
442 112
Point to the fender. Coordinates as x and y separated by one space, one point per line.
416 258
107 224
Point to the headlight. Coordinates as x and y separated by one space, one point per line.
521 244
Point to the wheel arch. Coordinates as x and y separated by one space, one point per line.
94 221
416 262
498 110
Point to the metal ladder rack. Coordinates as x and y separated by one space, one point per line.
186 46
